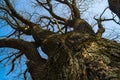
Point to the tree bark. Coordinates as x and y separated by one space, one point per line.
71 56
77 56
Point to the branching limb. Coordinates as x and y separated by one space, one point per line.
16 27
28 48
13 62
50 10
15 14
25 72
58 25
74 10
101 29
8 57
13 22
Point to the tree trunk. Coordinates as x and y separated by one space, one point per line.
77 56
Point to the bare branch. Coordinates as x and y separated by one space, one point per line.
50 10
9 56
13 62
101 29
28 48
74 10
25 72
15 14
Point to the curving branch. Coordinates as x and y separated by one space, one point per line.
101 29
50 10
13 62
16 27
28 48
13 21
15 14
74 10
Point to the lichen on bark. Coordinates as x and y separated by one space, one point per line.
81 58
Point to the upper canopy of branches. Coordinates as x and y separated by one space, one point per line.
21 22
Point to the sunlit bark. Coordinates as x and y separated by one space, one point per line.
80 54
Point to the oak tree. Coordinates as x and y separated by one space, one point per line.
74 50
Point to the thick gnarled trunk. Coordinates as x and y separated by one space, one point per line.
80 54
76 56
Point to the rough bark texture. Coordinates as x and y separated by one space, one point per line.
72 56
77 56
80 54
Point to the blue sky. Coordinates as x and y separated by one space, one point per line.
94 10
2 72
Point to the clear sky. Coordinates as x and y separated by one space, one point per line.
95 9
2 72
